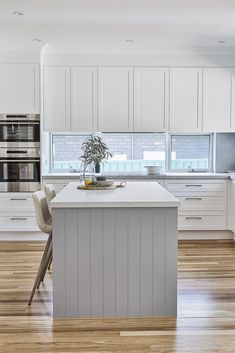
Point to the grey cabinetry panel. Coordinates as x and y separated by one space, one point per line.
115 262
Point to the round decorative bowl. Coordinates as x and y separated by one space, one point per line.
153 169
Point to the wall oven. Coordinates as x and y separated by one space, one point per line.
20 130
19 169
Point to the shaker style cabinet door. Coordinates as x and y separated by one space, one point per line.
218 91
115 99
186 100
56 98
19 88
84 99
151 86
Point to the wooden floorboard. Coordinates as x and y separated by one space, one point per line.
206 308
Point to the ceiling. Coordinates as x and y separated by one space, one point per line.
103 26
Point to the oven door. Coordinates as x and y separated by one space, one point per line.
19 132
19 175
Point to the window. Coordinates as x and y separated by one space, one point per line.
65 151
133 151
190 152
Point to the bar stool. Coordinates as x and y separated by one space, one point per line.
50 194
44 223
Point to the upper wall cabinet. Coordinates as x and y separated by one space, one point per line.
19 88
56 98
151 87
84 99
218 92
115 99
186 100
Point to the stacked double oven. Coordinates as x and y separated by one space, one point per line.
19 152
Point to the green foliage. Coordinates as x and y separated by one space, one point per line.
95 151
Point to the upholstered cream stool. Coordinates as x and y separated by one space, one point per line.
44 223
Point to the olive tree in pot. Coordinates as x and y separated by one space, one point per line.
94 151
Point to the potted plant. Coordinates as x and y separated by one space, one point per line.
95 151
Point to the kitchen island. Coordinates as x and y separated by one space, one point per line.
115 252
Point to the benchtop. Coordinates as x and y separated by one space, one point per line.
135 194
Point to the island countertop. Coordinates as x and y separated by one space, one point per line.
135 194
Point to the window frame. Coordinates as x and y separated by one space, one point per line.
168 146
169 150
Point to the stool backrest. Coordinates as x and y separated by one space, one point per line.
50 194
42 213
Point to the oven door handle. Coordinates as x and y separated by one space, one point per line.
19 122
19 160
13 151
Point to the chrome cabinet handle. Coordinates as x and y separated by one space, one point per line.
193 198
197 185
18 219
18 199
193 218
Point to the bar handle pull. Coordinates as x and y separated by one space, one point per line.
18 199
199 218
193 198
197 185
18 219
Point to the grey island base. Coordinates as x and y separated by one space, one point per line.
115 252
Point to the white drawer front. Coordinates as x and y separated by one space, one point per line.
196 185
18 223
200 221
203 203
15 202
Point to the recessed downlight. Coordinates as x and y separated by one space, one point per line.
129 41
37 40
221 41
18 13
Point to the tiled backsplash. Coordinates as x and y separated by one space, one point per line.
225 152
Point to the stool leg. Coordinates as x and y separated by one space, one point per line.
40 269
45 265
49 267
45 255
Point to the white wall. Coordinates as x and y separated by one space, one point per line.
22 57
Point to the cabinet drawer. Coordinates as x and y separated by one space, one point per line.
202 221
18 223
204 203
196 185
16 201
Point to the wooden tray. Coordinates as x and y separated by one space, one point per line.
95 187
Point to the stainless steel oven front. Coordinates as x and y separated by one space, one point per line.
19 169
19 130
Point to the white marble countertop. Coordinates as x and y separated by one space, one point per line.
145 176
133 195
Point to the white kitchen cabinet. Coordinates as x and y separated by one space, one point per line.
19 88
203 203
115 99
151 94
185 100
17 212
56 98
231 207
218 91
84 99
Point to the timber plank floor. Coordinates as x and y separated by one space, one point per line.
206 308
